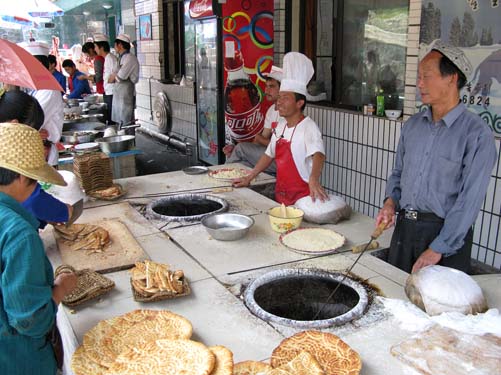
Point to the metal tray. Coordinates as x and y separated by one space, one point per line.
196 169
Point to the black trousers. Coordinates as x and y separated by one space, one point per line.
108 99
412 237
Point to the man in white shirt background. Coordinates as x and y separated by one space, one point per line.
110 65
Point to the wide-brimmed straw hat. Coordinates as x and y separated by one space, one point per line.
22 151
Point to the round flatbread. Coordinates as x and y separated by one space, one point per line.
251 368
224 360
81 364
162 357
227 174
109 338
303 364
312 240
333 354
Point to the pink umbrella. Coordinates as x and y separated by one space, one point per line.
18 67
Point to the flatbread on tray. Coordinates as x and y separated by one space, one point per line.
228 174
162 357
81 364
251 368
224 360
303 364
333 354
312 240
109 338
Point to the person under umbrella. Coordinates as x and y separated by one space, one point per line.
29 294
19 107
51 103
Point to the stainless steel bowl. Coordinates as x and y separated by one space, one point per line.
116 143
227 226
81 136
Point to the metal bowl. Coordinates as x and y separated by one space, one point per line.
81 136
227 226
116 143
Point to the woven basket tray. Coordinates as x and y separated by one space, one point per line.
139 297
90 284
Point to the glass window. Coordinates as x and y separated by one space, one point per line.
189 43
360 49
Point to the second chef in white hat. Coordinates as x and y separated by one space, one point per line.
296 144
125 78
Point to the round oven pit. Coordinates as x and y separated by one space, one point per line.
293 297
185 208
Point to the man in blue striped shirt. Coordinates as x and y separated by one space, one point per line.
442 169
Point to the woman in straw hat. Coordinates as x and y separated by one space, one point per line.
29 294
19 107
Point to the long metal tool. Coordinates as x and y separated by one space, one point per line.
377 232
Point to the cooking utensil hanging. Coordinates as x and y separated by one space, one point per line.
377 232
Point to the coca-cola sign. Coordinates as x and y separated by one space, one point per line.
201 9
244 126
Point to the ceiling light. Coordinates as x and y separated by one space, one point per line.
107 6
86 13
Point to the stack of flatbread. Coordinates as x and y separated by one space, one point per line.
149 278
93 171
148 342
88 237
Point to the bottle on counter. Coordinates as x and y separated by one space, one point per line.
241 101
380 104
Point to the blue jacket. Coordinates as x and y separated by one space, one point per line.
27 311
79 87
60 78
46 208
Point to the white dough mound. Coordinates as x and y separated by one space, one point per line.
329 212
438 289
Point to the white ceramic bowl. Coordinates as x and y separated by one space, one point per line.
393 114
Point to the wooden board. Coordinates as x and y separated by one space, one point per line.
445 351
123 252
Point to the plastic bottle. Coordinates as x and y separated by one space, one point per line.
380 104
241 101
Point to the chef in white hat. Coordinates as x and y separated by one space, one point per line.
249 153
296 144
52 104
125 79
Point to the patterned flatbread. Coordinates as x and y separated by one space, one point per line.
333 354
224 360
109 338
251 368
303 364
162 357
81 364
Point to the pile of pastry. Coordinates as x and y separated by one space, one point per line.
149 278
151 342
88 237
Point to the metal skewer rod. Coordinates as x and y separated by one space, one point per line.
377 232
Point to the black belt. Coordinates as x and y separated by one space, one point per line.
419 216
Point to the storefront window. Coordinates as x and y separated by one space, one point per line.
359 50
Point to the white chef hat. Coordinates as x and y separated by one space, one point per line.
36 48
124 38
297 72
276 73
100 38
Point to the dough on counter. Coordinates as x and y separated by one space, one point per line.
313 239
437 289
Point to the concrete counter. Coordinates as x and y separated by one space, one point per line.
218 271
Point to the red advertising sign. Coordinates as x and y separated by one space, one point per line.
201 9
247 54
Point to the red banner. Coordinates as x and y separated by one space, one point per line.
247 54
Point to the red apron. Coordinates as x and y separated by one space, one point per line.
289 186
